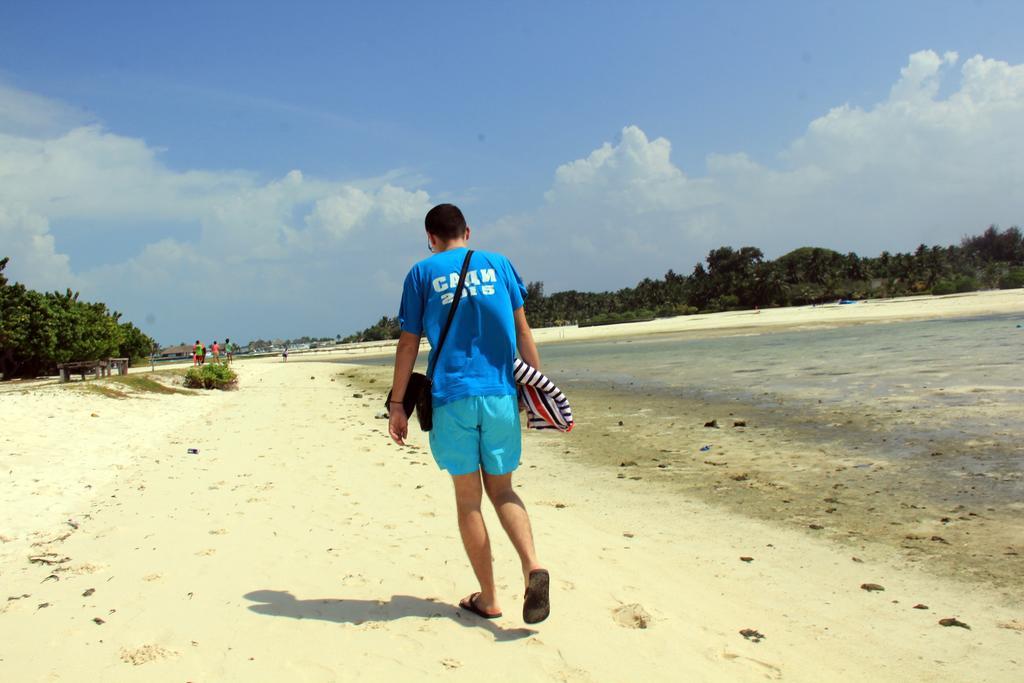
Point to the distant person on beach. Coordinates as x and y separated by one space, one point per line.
284 354
202 354
215 349
228 351
476 433
195 353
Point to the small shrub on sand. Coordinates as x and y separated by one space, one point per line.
1013 279
212 376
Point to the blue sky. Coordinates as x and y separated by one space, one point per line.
488 106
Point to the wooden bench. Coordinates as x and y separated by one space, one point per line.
82 368
99 368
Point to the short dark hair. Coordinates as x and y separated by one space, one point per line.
446 222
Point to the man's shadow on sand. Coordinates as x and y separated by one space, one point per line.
284 604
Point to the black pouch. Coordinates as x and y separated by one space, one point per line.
417 399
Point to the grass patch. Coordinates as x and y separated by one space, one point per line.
144 384
102 389
127 386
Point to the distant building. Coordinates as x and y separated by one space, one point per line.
175 353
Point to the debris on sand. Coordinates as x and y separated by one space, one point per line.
712 424
753 635
953 621
870 587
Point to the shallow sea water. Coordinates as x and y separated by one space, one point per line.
934 364
963 377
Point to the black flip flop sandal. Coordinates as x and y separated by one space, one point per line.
469 604
537 605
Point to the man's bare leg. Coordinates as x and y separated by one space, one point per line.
468 493
514 519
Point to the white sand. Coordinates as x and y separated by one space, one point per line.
1009 301
300 545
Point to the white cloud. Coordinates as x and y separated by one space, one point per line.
251 243
349 208
913 168
25 237
27 114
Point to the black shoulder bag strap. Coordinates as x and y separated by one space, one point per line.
451 314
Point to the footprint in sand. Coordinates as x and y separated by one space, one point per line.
145 654
152 577
450 663
206 552
84 568
218 532
770 671
631 616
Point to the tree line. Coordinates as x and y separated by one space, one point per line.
735 279
38 330
732 279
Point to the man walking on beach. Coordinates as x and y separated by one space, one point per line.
476 434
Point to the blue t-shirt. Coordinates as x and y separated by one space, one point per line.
477 356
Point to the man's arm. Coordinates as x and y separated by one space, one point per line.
405 360
524 339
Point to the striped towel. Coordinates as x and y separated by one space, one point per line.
546 406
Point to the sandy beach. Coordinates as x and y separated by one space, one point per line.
300 544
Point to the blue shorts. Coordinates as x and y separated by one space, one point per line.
477 431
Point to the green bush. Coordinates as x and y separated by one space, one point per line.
966 283
726 302
958 285
211 376
1012 280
